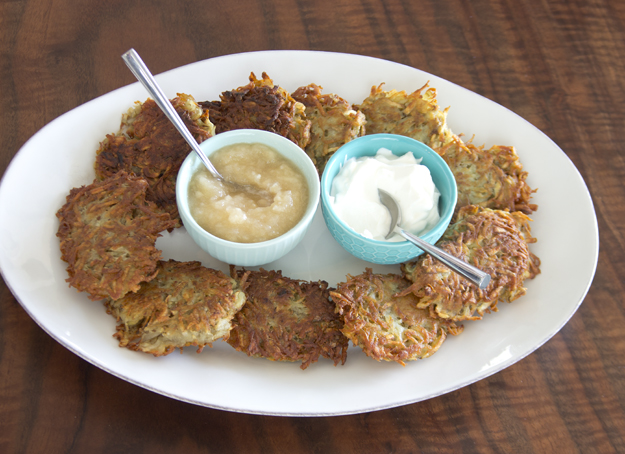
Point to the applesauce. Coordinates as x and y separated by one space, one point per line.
242 217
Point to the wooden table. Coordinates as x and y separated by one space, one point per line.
558 64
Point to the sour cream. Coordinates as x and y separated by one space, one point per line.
354 194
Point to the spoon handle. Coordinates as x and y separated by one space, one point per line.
143 75
478 277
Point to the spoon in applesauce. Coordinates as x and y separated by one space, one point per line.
143 75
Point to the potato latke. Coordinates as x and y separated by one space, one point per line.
108 231
493 240
334 122
386 326
414 115
287 320
186 305
149 146
260 105
491 178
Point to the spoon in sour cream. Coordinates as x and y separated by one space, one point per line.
475 275
143 75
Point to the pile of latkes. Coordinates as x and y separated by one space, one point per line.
108 231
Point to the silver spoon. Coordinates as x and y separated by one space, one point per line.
143 75
478 277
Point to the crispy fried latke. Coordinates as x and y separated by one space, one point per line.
492 178
185 305
493 240
414 115
260 105
287 320
386 326
149 146
334 122
107 232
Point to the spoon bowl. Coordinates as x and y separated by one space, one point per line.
379 251
247 254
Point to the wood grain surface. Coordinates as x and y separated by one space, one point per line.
560 64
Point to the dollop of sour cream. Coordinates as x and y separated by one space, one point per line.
354 194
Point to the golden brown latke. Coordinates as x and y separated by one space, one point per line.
260 105
149 146
493 240
334 122
386 326
492 178
287 320
414 115
185 305
107 232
